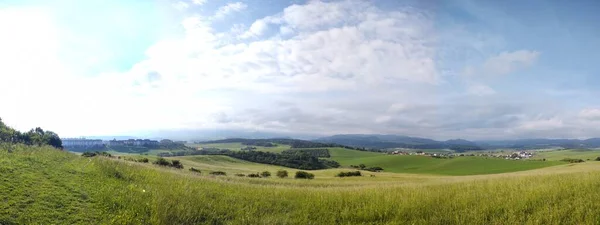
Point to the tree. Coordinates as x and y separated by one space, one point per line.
265 174
362 166
282 173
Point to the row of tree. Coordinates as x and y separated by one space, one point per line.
35 136
298 160
320 153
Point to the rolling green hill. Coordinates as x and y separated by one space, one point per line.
429 165
42 185
584 154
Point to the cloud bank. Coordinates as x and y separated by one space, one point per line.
319 68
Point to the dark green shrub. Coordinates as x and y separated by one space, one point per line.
195 170
282 174
304 175
88 154
598 159
143 160
374 169
569 160
349 174
176 164
218 173
265 174
162 162
240 174
254 175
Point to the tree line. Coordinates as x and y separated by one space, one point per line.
35 136
320 152
298 160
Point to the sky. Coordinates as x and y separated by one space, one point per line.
473 69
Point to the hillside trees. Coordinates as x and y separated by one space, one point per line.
35 136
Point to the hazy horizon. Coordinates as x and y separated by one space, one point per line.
475 70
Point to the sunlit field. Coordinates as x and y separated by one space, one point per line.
41 185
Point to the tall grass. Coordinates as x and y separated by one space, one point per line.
45 186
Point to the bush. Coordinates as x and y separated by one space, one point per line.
598 159
162 162
254 175
282 174
195 170
240 174
304 175
176 164
92 154
569 160
218 173
374 169
143 160
349 174
88 154
265 174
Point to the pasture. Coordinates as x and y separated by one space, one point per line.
41 185
584 154
465 165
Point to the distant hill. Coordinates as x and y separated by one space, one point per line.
294 143
379 141
396 141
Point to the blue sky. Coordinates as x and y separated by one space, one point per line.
439 69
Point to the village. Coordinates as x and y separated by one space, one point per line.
517 155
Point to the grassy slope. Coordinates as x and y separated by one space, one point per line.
429 165
44 186
570 153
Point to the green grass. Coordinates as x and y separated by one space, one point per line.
465 165
40 185
584 154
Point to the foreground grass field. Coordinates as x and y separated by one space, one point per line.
41 185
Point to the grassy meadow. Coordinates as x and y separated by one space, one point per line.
465 165
584 154
41 185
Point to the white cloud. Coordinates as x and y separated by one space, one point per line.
180 5
229 9
480 90
590 114
199 2
322 67
256 29
542 124
507 62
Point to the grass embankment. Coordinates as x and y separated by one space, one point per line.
463 165
46 186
